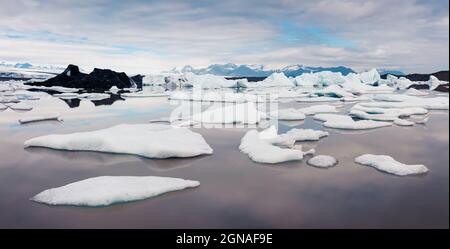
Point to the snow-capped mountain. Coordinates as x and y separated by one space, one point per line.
231 69
382 71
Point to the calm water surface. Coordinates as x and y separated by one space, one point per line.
234 192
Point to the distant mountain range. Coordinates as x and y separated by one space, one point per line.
27 65
233 70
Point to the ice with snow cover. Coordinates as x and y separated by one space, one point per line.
107 190
345 122
390 165
322 161
147 140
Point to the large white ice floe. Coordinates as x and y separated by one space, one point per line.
323 78
147 140
21 106
317 99
244 113
39 118
322 161
415 92
385 114
334 91
55 88
263 150
274 80
288 114
311 110
305 134
404 101
390 165
403 122
345 122
107 190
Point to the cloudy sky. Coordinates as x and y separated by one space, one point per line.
149 36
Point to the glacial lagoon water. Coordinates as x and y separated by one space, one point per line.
235 192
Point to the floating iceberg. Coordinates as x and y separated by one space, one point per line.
288 114
3 107
390 165
263 151
415 92
107 190
318 99
305 134
403 122
21 106
422 121
345 122
147 140
322 161
324 78
208 81
370 77
245 113
66 95
218 97
385 114
274 80
311 110
334 91
404 101
39 118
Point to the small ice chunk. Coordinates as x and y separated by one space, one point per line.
311 110
94 96
422 121
390 165
322 161
403 122
39 118
263 151
107 190
147 140
114 89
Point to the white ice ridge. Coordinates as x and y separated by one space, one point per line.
39 118
390 165
147 140
345 122
245 113
322 161
262 150
107 190
311 110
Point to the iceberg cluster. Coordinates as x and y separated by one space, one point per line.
107 190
